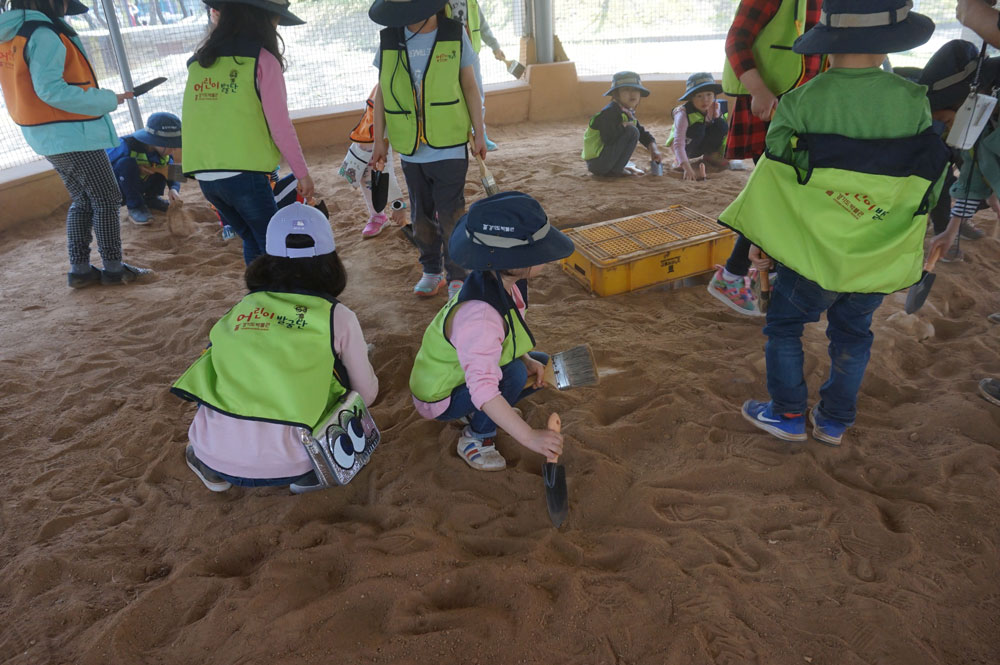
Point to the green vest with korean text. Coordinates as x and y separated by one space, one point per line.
271 359
224 125
779 66
440 118
592 143
436 370
475 28
853 220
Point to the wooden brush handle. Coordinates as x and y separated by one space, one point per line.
932 259
549 379
555 424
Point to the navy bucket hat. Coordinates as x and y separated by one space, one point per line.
701 82
949 72
865 26
162 129
277 7
507 231
399 13
627 80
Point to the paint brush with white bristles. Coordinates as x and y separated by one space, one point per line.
573 368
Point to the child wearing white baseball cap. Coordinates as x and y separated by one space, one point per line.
276 362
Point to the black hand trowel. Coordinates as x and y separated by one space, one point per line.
554 475
380 190
143 88
918 293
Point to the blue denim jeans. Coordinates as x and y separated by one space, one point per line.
515 375
796 301
246 203
258 482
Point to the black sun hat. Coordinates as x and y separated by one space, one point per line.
865 26
949 72
399 13
279 7
507 231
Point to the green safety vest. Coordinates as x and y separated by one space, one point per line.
224 125
694 117
854 219
592 143
779 66
271 359
475 28
436 370
442 119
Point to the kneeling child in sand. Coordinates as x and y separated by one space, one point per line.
476 355
700 128
613 133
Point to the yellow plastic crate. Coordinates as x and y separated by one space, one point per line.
626 254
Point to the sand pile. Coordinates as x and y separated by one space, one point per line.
692 538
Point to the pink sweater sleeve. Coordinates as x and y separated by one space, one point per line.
680 136
274 99
350 346
477 334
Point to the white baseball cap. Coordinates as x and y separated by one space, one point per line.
299 219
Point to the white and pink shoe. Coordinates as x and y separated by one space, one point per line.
374 225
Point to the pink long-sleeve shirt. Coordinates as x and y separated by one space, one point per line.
254 449
477 333
681 127
274 99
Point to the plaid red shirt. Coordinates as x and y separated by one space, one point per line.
746 131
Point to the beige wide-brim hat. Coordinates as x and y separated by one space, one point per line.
279 7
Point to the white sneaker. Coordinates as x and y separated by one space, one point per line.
480 454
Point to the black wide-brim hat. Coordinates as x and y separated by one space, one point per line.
949 73
700 82
162 129
279 7
506 231
627 80
865 26
76 8
400 13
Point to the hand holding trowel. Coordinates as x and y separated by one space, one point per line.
554 475
918 293
762 287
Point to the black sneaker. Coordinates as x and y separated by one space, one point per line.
212 480
126 276
307 483
80 281
157 203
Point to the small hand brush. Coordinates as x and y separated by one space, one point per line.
573 368
489 182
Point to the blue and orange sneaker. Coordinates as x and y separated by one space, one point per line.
826 431
786 426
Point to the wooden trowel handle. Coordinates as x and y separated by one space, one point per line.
555 424
932 259
765 281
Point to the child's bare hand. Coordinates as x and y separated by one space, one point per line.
174 195
479 147
306 188
122 96
763 105
498 54
545 442
688 172
760 260
535 369
379 153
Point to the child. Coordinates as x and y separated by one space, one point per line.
50 91
613 133
140 163
846 189
760 67
236 123
476 355
269 370
700 127
426 78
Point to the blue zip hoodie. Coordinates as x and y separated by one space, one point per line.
46 59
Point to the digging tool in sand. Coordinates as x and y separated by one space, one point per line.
554 475
918 293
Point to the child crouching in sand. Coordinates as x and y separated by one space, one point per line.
476 355
277 361
700 127
613 133
840 200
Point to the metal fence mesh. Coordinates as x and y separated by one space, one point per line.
330 58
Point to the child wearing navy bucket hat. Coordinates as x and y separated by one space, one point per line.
140 164
477 354
614 132
700 126
840 201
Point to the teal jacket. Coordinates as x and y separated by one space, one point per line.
46 56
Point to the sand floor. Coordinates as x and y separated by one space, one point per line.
692 538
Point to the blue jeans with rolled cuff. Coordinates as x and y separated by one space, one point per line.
796 301
246 203
515 375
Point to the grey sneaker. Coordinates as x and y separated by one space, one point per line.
79 281
970 231
128 275
212 480
990 390
307 483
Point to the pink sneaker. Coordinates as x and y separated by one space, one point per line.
735 294
454 286
374 225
